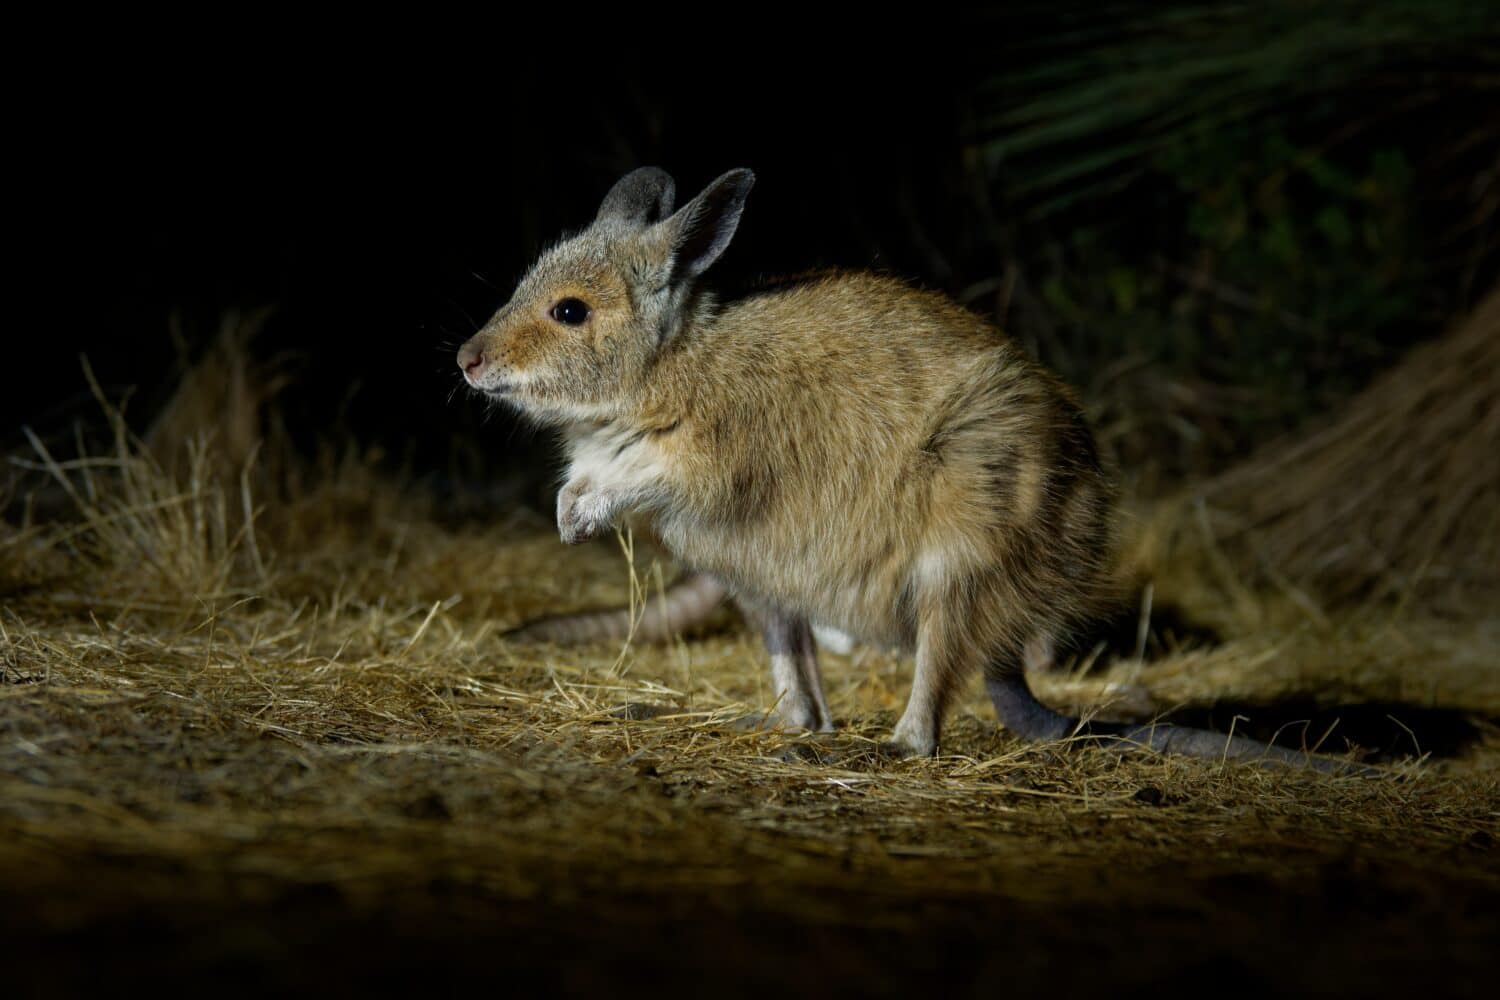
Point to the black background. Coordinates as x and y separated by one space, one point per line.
382 192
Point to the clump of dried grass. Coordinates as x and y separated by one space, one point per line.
225 397
148 535
1398 496
247 686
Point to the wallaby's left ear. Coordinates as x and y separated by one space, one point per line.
702 229
641 197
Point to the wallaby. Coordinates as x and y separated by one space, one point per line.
844 449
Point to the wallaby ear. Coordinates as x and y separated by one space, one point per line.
642 197
702 229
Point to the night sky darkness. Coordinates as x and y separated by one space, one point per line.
383 202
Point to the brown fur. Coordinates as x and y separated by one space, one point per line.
846 450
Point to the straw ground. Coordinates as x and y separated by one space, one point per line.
264 726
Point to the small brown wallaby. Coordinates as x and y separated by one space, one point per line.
843 450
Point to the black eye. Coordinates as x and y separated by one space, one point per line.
571 312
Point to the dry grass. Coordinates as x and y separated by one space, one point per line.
1399 495
209 713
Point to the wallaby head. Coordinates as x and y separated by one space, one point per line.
586 322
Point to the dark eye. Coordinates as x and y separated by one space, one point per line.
571 312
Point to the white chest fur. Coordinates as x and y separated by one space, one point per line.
616 459
613 470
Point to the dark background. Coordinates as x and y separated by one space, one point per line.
381 187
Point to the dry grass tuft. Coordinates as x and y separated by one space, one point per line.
1399 496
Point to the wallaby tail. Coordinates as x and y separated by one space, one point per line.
1020 712
683 605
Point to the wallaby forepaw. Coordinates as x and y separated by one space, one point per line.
583 513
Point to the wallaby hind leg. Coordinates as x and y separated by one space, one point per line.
686 604
946 653
795 675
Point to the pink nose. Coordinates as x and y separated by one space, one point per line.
471 360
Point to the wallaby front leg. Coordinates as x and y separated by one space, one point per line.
794 671
586 511
609 477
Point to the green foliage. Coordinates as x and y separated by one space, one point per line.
1245 209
